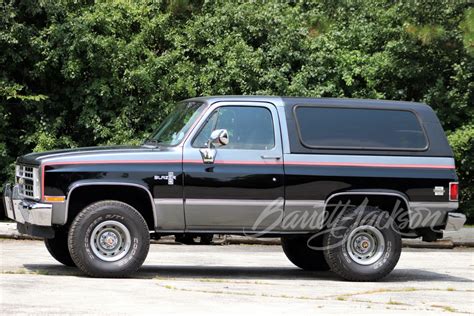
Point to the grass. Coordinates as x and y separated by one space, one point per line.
24 271
19 271
212 280
445 308
377 291
392 302
170 287
400 290
38 272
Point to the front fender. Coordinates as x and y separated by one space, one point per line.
61 211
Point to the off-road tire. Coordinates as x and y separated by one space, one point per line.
92 217
337 249
301 255
58 248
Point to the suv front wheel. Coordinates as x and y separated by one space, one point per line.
109 239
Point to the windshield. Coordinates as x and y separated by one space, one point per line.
173 129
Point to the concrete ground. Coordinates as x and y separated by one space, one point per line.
232 280
451 239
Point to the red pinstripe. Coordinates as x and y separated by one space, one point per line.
243 162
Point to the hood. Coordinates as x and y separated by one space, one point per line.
90 154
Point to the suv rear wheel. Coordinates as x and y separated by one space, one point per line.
109 239
363 244
297 250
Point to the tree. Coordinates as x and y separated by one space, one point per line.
86 73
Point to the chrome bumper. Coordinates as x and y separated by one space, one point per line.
24 211
455 221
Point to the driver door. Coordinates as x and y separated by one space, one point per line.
246 176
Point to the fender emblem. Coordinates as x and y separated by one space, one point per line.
170 177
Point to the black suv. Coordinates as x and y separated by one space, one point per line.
339 180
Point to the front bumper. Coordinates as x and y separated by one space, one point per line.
24 211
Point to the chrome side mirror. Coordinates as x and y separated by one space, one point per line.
219 137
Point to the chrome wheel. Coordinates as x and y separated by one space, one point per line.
365 245
110 240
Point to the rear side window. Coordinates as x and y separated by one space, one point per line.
355 128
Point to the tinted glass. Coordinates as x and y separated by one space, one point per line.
359 128
248 127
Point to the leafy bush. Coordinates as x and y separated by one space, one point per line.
462 142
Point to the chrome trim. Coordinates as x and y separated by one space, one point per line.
7 200
430 214
367 159
243 231
170 201
399 195
434 205
219 137
368 193
23 211
208 155
35 213
77 185
283 126
110 240
228 202
365 245
187 143
314 203
455 221
24 173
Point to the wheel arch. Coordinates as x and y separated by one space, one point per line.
402 215
146 207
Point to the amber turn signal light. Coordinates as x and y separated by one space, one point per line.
54 198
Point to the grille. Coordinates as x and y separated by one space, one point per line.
26 177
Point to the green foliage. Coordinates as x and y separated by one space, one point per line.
468 30
12 91
80 73
462 142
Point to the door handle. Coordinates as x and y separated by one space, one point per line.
270 157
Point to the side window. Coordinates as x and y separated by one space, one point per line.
358 128
248 127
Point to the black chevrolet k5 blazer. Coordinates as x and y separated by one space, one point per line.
339 180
